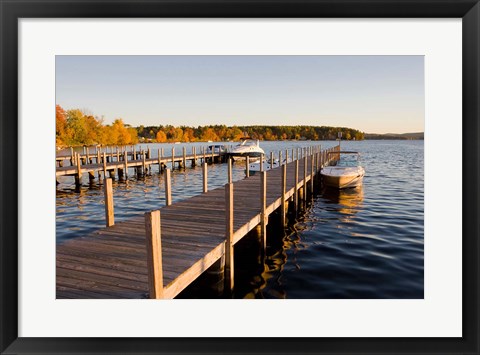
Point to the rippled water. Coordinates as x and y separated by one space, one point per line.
357 243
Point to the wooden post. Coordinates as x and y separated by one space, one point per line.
305 163
108 192
271 160
204 155
247 166
262 157
230 177
194 156
72 157
173 158
159 161
184 157
293 154
88 155
312 171
168 187
229 236
134 153
78 180
125 162
280 158
284 202
154 254
296 184
149 153
213 154
144 164
98 157
104 165
205 177
286 156
263 201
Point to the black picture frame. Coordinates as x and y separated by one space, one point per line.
12 11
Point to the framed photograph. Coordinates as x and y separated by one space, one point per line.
239 177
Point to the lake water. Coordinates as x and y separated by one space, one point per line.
358 243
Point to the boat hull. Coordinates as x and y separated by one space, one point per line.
243 156
343 181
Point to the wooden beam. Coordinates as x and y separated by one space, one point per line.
229 267
205 176
247 166
230 177
284 202
168 188
154 254
263 212
108 192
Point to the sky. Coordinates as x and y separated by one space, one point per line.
374 94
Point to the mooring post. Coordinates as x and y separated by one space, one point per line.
134 153
213 153
159 161
230 177
204 154
108 192
262 157
173 158
263 214
284 202
184 158
78 179
296 183
229 236
149 153
205 177
280 158
247 166
305 163
194 162
104 165
72 157
312 171
168 187
286 156
88 155
271 160
154 254
144 163
125 162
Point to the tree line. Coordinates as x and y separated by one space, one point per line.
169 133
73 127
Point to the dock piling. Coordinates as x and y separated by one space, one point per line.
154 254
263 216
108 191
229 236
247 166
168 188
205 176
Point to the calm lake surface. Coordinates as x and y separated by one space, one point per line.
366 242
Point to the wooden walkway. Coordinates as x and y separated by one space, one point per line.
112 262
117 162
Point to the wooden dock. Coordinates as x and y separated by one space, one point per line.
157 255
116 161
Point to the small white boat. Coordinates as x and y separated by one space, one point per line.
345 172
247 147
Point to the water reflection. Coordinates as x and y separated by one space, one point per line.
347 202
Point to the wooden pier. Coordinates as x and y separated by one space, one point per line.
157 255
116 161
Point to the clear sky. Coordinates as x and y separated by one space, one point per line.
375 94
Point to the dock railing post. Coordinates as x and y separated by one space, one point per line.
312 171
104 165
263 213
286 156
205 176
125 162
168 188
262 157
194 162
204 154
173 158
271 160
154 254
305 167
247 166
144 163
78 180
159 161
229 277
284 202
230 177
296 184
108 192
184 158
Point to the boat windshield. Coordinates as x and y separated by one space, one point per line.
348 160
248 142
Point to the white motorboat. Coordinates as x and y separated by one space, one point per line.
254 167
344 171
247 147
